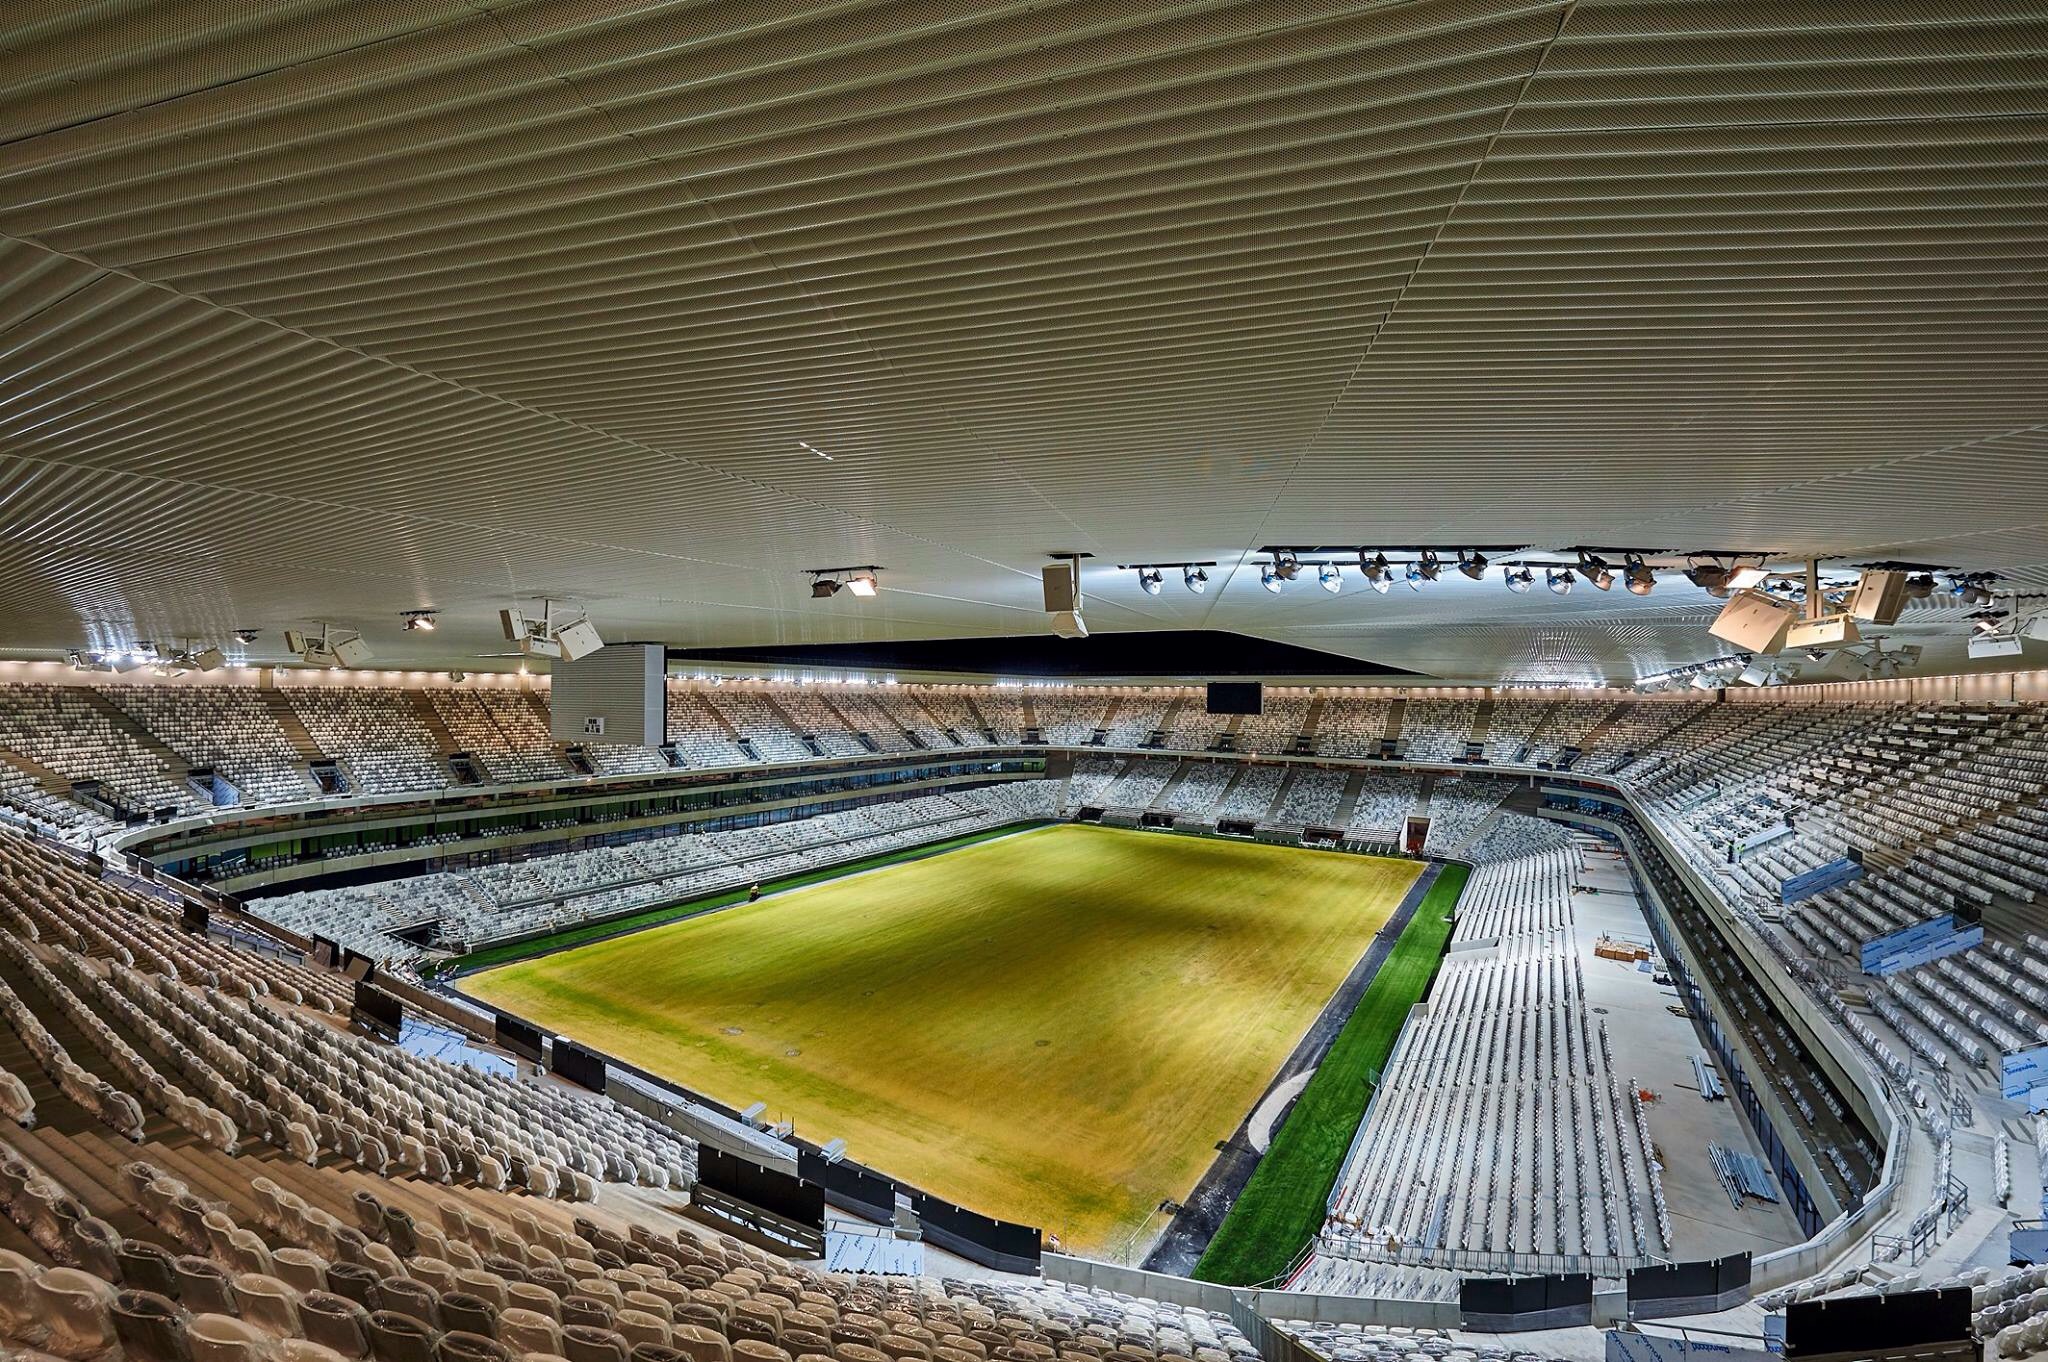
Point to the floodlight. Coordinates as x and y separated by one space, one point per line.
1711 578
1742 578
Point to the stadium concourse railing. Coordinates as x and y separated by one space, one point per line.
1852 1074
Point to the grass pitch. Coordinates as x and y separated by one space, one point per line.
1053 1028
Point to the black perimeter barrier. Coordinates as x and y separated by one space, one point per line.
1504 1305
516 1036
781 1194
1878 1326
326 951
582 1067
852 1188
194 915
979 1238
360 968
1688 1288
377 1011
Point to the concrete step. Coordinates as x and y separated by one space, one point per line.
290 724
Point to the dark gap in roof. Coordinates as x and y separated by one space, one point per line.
1164 653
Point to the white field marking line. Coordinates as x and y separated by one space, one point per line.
1260 1130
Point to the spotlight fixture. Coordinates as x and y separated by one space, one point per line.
1561 580
1972 588
862 581
1519 580
1269 578
1330 577
1286 565
1415 576
1381 578
1596 571
1473 565
1987 622
1920 586
1426 568
420 621
1152 576
1711 578
1641 580
245 637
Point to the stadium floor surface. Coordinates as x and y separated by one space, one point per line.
1054 1028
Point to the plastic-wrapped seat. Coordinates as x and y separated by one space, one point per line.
223 1338
460 1346
355 1282
268 1303
147 1267
529 1331
641 1326
151 1327
466 1312
77 1309
96 1247
404 1296
203 1286
335 1322
304 1269
585 1343
396 1337
586 1310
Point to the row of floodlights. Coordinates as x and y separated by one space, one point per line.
1382 573
556 634
1718 577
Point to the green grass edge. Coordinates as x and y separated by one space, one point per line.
1282 1205
492 956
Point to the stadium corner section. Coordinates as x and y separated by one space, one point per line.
1282 1207
639 919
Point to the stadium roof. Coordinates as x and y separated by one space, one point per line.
329 310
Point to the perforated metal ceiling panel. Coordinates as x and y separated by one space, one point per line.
323 310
